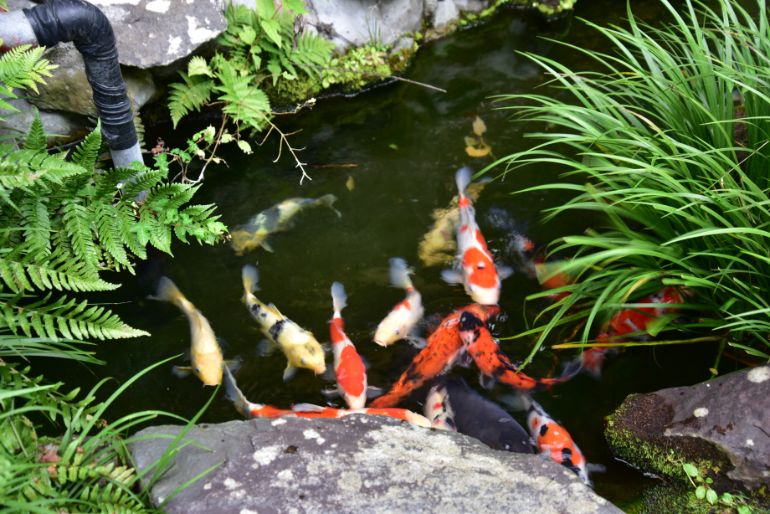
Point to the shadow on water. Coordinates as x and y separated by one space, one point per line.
405 143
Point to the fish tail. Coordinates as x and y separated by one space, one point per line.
399 273
167 291
234 394
250 277
328 201
572 368
463 178
339 298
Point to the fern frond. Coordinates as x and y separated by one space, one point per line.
37 225
126 225
244 102
111 242
24 168
24 67
63 317
88 150
36 140
106 183
142 181
192 94
60 271
77 226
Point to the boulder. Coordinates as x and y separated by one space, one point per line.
721 425
353 464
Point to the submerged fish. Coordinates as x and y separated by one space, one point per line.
438 246
205 353
277 218
477 271
300 347
454 405
490 360
631 323
443 350
259 410
552 439
403 318
348 366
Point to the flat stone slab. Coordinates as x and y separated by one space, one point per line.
354 464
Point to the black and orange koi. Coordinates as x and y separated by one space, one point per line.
442 351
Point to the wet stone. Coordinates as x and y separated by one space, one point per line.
355 464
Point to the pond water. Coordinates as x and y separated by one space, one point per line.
405 143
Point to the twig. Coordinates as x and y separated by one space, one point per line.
423 84
213 153
301 165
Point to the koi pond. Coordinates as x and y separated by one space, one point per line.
389 155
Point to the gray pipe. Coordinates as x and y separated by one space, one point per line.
85 25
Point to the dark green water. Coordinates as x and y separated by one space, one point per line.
407 142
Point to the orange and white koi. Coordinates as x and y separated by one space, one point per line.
490 360
205 352
553 440
443 350
259 410
438 409
348 366
477 271
403 318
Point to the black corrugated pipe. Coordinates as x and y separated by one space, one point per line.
87 27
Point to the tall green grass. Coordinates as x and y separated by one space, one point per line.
667 143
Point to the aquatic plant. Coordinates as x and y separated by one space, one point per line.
665 144
64 223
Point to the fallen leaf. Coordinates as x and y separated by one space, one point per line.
482 150
350 183
479 127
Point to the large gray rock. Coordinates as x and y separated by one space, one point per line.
723 422
355 464
358 22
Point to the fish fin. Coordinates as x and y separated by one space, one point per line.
289 372
250 278
328 201
166 291
451 276
504 272
399 273
266 347
516 401
264 244
330 392
306 407
374 392
596 468
416 341
572 368
486 382
463 178
181 371
234 364
339 298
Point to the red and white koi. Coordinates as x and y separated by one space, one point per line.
259 410
443 350
438 410
490 360
348 366
477 272
403 318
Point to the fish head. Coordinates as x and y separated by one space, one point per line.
390 329
481 279
438 410
308 355
208 367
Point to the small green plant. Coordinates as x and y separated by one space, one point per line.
704 492
357 67
260 47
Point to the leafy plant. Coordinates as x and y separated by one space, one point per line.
666 145
704 492
259 45
63 223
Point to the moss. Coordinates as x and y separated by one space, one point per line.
553 7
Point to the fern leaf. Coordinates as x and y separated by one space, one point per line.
77 225
190 95
108 229
63 318
36 140
127 226
37 225
88 150
106 183
142 181
24 67
245 103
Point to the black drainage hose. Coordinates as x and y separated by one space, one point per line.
88 28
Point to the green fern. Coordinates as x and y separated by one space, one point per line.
191 95
87 151
36 140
